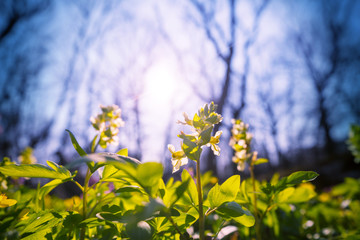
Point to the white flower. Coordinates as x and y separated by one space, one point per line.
188 121
214 141
178 158
241 154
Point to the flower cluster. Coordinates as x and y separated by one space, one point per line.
202 126
240 142
27 157
108 123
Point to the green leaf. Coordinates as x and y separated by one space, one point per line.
149 173
261 161
41 223
295 178
76 145
36 171
225 193
58 168
191 194
51 185
175 193
91 222
123 152
108 171
300 177
284 195
129 189
301 194
197 122
205 136
232 210
93 143
117 161
213 118
190 147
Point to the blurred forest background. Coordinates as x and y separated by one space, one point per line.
291 69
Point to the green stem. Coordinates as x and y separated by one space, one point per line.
201 210
86 186
220 227
209 211
256 211
78 184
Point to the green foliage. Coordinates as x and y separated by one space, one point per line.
226 192
131 201
36 171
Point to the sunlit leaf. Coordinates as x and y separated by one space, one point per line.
301 194
50 186
295 178
76 145
120 162
197 121
191 194
175 193
225 193
284 195
205 136
232 210
301 176
190 148
261 161
40 224
129 189
36 171
123 152
149 173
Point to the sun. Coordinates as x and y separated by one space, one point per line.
161 82
157 103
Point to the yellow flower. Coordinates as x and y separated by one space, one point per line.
178 158
324 197
4 202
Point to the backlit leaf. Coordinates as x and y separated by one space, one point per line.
225 193
36 171
76 145
232 210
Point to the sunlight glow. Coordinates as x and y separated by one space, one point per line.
157 101
160 83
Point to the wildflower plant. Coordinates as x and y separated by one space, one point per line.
107 123
191 147
192 144
27 157
130 200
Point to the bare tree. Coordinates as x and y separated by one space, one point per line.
21 65
331 31
227 48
